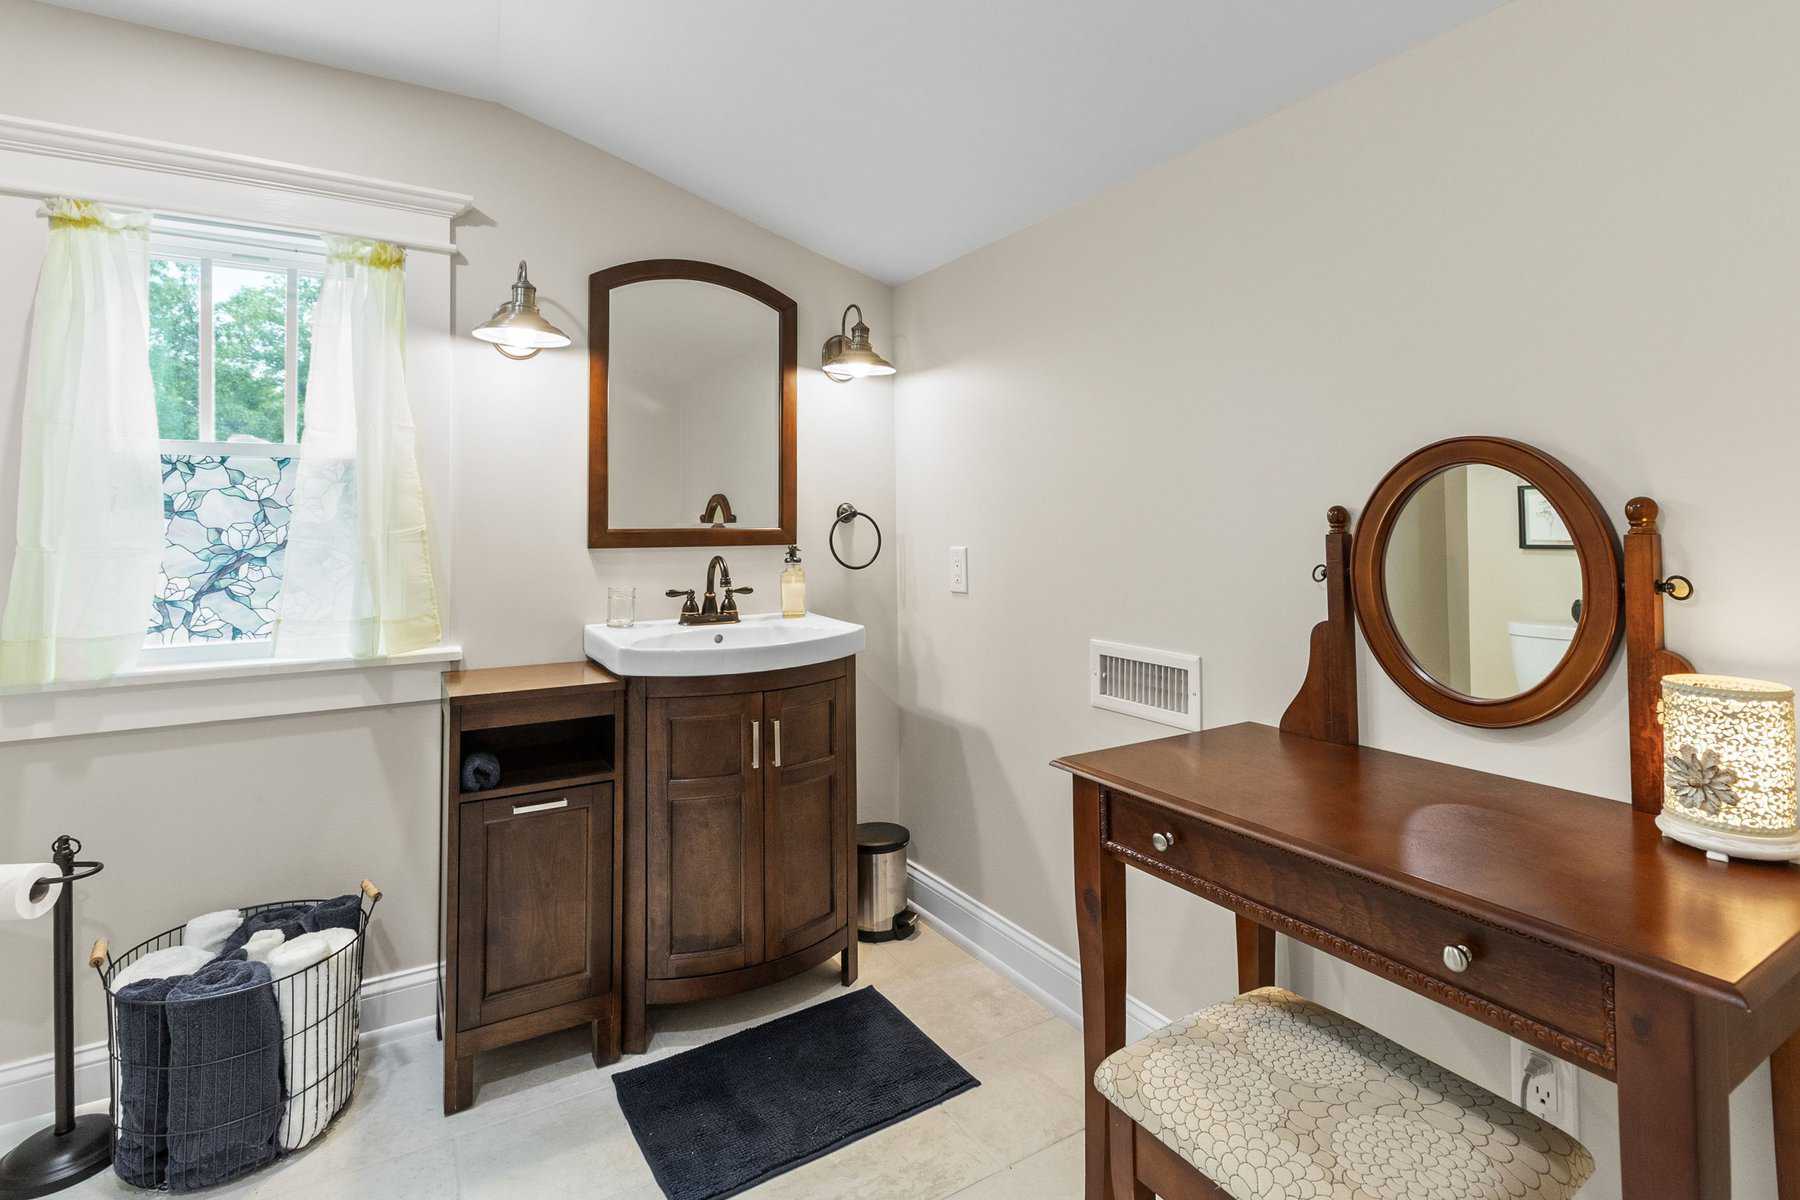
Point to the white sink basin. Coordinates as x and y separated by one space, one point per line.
764 642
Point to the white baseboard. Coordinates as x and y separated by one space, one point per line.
1040 969
395 1005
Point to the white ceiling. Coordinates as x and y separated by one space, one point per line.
890 136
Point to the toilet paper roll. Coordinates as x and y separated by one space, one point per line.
21 899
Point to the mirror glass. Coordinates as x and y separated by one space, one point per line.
1483 581
693 406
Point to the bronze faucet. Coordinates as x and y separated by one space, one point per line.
712 612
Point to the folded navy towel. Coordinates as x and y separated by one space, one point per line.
339 912
480 771
140 1147
290 919
225 1098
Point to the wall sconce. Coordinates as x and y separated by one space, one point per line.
517 325
849 356
1728 767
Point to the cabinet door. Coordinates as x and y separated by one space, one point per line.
534 913
705 825
806 815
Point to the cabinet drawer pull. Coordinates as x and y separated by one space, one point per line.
778 741
1162 841
1458 957
520 810
755 745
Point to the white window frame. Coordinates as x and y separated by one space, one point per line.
45 158
211 245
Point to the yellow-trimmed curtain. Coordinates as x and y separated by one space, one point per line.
358 578
90 498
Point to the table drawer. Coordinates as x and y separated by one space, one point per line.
1389 932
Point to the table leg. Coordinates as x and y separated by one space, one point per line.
1674 1120
1256 955
1784 1097
1100 924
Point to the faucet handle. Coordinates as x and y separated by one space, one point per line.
688 606
731 595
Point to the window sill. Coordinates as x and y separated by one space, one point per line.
194 693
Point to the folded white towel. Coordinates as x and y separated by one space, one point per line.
262 943
299 953
315 1027
163 964
208 931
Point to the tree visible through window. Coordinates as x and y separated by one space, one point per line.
231 405
175 346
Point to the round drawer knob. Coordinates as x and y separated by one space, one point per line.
1458 958
1162 841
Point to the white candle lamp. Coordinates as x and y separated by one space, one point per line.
1728 767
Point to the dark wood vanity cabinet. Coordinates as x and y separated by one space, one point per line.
740 833
704 811
532 866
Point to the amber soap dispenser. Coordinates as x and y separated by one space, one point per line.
793 585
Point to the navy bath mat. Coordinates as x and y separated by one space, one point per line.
721 1118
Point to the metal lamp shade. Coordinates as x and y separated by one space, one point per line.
1729 766
517 325
849 356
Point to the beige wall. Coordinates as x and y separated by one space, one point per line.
246 811
189 820
1571 224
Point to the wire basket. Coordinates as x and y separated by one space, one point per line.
208 1088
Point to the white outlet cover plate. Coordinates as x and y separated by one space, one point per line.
959 570
1567 1078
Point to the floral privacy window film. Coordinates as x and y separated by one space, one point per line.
225 525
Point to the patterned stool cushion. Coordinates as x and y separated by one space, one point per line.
1274 1098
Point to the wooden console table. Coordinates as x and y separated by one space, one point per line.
1587 934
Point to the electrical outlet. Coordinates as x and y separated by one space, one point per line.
1545 1086
959 570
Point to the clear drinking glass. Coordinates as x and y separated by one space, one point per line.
621 607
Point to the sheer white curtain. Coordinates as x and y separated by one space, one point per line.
90 498
358 577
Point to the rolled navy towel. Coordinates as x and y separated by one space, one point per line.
480 771
141 1144
290 919
225 1073
339 912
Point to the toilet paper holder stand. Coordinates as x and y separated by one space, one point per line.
63 1154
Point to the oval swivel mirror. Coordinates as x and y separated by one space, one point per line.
1487 581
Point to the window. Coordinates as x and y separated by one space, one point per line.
230 347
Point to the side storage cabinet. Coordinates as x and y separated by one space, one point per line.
531 863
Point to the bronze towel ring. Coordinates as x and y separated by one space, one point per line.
846 513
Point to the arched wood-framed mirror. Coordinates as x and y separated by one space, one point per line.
1487 581
692 407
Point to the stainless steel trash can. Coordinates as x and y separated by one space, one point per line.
881 912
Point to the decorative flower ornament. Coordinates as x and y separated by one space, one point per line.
1698 781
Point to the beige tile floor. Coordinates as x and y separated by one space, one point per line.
547 1124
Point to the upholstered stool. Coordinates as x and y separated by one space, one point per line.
1271 1097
